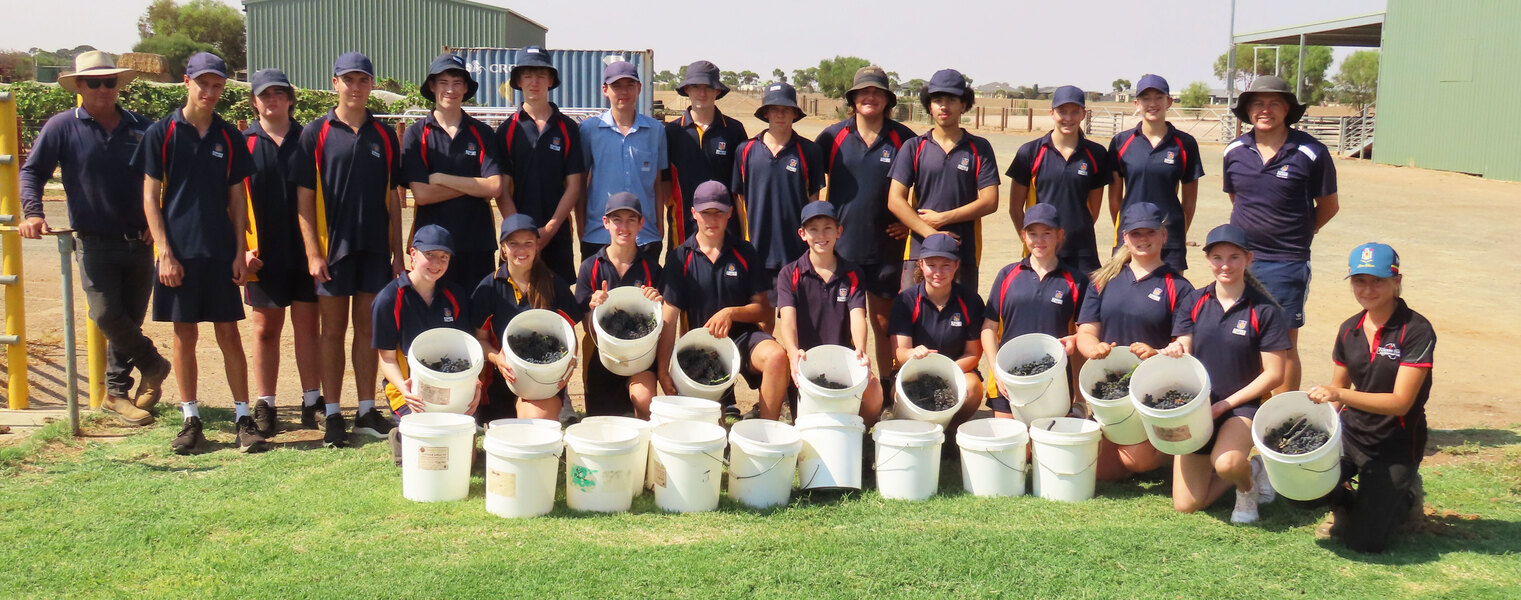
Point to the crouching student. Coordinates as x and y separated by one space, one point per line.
617 265
935 316
419 300
821 299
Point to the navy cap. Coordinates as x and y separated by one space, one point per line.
203 63
947 81
515 223
819 209
622 201
1372 258
1042 214
1141 215
619 70
264 79
353 62
444 63
711 195
780 94
536 58
940 245
1068 94
1151 81
432 237
1226 234
703 73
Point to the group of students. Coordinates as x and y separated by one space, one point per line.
777 242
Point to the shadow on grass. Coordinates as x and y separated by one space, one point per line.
1441 535
1448 440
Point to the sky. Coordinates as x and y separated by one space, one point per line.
1088 44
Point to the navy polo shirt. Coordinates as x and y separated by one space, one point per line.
358 170
103 189
858 186
197 173
539 161
1275 202
1022 302
1064 183
1130 310
1407 340
946 181
775 189
399 313
699 155
497 299
598 270
700 287
1155 174
944 330
428 149
823 307
272 200
1230 341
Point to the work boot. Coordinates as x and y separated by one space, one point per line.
125 411
249 439
312 414
151 387
1328 528
190 438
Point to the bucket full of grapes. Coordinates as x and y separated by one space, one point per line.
1172 397
628 330
1033 370
1300 443
444 363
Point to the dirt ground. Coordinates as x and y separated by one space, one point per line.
1449 228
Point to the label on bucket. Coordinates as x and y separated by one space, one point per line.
431 394
589 479
433 458
658 475
1171 434
501 483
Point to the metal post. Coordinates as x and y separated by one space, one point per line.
10 254
1230 60
1299 72
1029 119
70 368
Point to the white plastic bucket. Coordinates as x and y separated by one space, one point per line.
908 458
599 461
838 363
1307 476
1065 451
933 364
689 465
444 392
436 450
762 462
641 454
669 409
700 338
1180 430
545 423
1116 417
993 456
536 381
627 357
522 462
1044 394
831 454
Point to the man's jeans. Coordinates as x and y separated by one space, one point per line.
117 276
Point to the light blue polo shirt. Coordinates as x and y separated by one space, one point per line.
623 163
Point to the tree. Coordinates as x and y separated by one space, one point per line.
1120 85
197 26
16 65
779 75
748 77
1317 60
836 74
805 78
729 78
1357 82
667 77
911 87
176 48
1195 95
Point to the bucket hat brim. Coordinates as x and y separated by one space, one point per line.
760 113
427 92
1270 85
70 81
850 95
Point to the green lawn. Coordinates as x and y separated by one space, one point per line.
130 519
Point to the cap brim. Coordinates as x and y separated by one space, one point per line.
923 255
260 89
196 74
702 206
432 247
1147 224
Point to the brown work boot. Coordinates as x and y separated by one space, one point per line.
126 411
1329 527
151 387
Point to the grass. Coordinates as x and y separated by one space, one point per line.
131 519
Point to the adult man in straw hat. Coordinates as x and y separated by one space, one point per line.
1282 185
94 144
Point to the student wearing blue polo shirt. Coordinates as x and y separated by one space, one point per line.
348 171
1381 383
953 174
702 144
1066 170
858 157
193 164
715 279
1239 334
420 299
1158 164
1040 294
776 173
938 316
542 161
1282 185
625 152
1129 307
616 265
821 299
449 160
276 258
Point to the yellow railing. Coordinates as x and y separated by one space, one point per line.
10 253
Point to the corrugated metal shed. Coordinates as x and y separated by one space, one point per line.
580 76
1448 80
302 37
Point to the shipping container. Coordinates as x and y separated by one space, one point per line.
580 76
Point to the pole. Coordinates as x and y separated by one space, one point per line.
70 358
1299 72
10 254
1230 67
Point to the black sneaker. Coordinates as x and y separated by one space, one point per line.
311 414
250 441
190 438
335 436
264 419
372 424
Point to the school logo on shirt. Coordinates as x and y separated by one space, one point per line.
1283 172
1057 297
448 315
1170 158
1082 167
1389 351
554 143
840 297
792 165
966 164
1240 327
887 156
470 149
730 271
956 320
723 148
645 167
1156 295
375 150
218 151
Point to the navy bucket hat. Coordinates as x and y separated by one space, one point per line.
445 63
780 94
702 73
533 57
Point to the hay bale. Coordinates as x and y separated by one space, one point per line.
152 67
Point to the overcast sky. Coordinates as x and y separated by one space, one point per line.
1088 44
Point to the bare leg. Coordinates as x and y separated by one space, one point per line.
305 324
540 409
267 323
334 316
366 361
771 360
879 309
1291 367
969 405
233 359
641 391
871 401
185 368
1198 481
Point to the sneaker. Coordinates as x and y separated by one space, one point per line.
1246 507
125 411
250 441
1265 492
394 441
568 414
190 438
335 436
151 388
372 424
264 419
311 414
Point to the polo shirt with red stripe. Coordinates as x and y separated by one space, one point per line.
399 313
1230 341
945 181
599 270
823 307
1064 183
1023 302
697 158
539 161
701 287
272 195
1131 310
946 329
1407 340
775 188
497 299
198 173
427 149
858 184
1156 174
359 170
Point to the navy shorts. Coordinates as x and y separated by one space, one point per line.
205 295
747 343
1248 410
275 289
607 392
884 279
1289 283
367 272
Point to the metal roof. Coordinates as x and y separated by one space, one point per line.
1360 31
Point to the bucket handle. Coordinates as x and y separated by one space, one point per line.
1335 465
1043 391
877 463
994 456
1090 466
1121 421
629 360
774 465
555 381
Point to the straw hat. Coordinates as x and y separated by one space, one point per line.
95 64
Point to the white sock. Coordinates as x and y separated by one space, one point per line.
240 409
191 409
365 406
270 400
309 397
333 409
